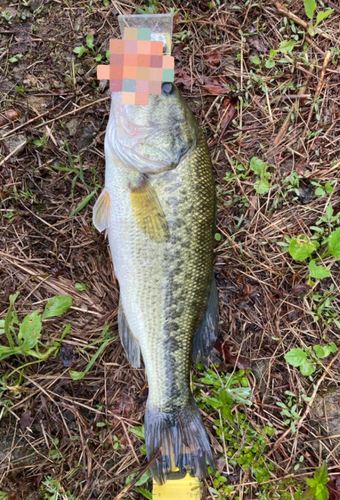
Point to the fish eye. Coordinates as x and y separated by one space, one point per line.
167 88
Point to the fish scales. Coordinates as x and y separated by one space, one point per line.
164 286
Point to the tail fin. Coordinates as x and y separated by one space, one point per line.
183 441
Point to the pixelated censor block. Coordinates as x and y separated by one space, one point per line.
137 66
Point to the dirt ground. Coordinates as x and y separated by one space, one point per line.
262 84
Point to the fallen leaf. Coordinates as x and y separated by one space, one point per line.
220 465
240 362
300 290
301 168
333 486
13 495
67 355
239 279
25 420
216 85
294 313
8 116
248 291
181 76
277 294
229 110
257 44
214 58
123 405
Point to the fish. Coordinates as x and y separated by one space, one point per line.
158 208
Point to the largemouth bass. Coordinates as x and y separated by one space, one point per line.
158 207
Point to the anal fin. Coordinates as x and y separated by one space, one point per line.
206 334
127 339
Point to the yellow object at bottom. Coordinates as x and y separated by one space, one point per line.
178 489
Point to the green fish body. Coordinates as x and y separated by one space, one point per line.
158 207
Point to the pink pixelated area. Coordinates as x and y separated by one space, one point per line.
137 66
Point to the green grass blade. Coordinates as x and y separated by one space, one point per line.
83 203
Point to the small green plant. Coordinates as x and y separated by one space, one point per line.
145 477
259 167
308 359
245 446
41 142
15 58
302 247
139 432
23 337
152 8
321 190
318 485
79 174
291 183
81 287
80 51
291 410
323 307
220 489
105 339
7 16
51 489
286 47
310 9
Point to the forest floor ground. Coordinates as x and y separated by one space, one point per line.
263 82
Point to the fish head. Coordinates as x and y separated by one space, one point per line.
155 137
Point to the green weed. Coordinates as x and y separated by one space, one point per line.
23 337
310 9
105 339
259 167
291 409
318 485
323 307
139 432
76 167
324 240
308 359
152 8
81 50
245 445
51 489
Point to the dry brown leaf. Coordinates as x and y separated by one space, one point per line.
229 110
8 116
333 486
181 76
240 362
25 420
216 85
257 44
301 289
248 290
214 58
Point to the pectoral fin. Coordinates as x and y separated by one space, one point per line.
101 211
206 335
129 342
147 210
